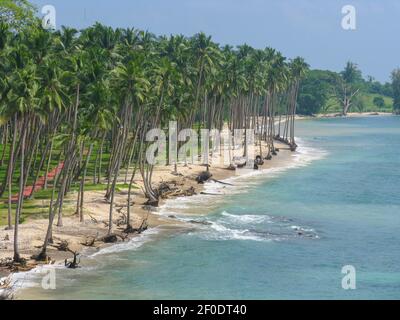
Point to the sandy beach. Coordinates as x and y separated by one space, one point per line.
96 211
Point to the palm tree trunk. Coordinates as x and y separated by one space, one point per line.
48 165
17 257
10 172
82 189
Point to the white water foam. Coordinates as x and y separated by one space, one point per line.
132 244
241 183
245 218
225 233
228 227
29 279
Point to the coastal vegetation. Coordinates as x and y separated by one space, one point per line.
75 108
396 90
324 91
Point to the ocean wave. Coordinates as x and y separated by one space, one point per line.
228 225
245 218
30 279
224 233
132 244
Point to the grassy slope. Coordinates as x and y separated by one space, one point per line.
38 206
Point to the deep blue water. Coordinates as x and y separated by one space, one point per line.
281 235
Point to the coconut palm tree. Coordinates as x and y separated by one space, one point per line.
76 96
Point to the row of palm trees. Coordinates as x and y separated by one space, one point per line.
74 97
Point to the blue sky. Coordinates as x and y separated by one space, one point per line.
308 28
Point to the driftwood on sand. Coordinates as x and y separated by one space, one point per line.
143 227
74 263
21 266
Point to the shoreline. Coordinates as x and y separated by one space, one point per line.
339 115
96 215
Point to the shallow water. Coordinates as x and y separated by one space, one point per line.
285 233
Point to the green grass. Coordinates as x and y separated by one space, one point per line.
37 207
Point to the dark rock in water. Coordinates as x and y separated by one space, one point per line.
255 166
203 177
205 223
172 217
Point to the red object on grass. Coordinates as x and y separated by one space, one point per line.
39 183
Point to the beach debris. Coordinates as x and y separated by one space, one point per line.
209 194
5 283
12 266
90 241
149 208
170 190
259 161
152 203
241 165
222 182
110 238
203 177
93 219
172 216
63 246
204 223
5 289
122 219
165 188
113 237
190 192
231 167
74 263
7 238
143 227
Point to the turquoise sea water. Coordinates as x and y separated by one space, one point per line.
283 234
